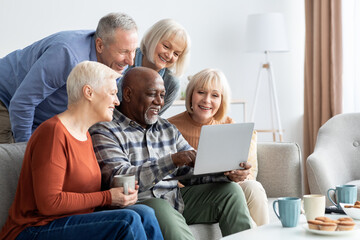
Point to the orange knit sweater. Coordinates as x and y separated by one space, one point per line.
59 177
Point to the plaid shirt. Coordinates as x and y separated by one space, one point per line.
123 146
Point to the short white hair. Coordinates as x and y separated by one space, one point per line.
87 73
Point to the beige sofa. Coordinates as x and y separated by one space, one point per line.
279 172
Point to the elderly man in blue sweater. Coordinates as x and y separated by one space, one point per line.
33 79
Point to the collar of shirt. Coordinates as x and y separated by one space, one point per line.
93 50
138 61
121 118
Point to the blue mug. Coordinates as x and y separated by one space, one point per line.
343 194
289 210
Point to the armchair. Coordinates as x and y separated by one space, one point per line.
336 157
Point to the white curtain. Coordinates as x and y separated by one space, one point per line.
351 55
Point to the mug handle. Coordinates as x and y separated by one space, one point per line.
274 203
126 188
302 209
328 195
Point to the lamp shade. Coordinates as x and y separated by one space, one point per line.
266 33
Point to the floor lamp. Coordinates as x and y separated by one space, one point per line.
266 34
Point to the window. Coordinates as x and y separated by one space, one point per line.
351 55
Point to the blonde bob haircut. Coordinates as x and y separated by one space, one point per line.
163 30
209 79
89 73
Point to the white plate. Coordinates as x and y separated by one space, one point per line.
334 233
351 212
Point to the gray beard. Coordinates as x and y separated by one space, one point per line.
152 120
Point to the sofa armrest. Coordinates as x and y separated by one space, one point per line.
320 176
11 157
324 171
279 167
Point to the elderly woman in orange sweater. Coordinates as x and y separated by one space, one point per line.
60 180
207 103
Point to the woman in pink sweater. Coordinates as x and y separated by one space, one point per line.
60 180
207 103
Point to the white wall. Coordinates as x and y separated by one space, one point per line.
217 30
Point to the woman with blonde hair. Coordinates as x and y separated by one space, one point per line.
164 48
60 181
207 103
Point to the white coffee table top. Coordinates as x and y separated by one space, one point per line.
276 231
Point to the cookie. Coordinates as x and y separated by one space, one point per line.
323 219
345 226
345 219
314 224
327 226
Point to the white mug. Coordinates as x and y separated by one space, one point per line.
124 180
314 206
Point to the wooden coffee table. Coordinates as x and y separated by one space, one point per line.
276 231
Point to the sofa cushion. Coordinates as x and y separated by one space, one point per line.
10 167
206 231
280 169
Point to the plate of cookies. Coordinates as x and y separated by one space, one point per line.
352 210
328 226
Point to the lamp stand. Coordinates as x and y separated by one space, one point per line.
273 99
